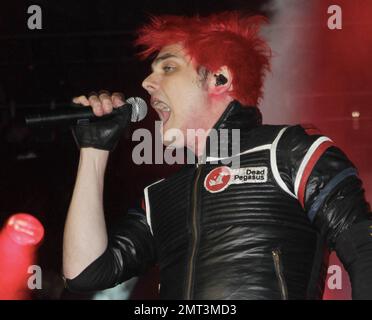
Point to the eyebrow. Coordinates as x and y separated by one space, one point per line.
163 57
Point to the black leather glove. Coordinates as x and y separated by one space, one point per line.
103 133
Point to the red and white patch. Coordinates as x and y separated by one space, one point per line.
218 179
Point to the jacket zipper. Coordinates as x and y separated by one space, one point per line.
195 234
279 274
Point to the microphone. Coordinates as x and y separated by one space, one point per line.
73 114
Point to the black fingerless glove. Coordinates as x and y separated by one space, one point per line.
103 133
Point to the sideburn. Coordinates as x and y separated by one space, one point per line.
203 73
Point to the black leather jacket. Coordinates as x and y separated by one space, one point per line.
262 230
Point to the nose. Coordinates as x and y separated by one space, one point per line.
150 83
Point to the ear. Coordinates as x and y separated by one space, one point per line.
217 87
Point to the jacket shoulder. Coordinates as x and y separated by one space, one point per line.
261 135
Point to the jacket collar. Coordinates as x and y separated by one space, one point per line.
235 116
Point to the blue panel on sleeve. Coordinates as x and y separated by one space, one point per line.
327 190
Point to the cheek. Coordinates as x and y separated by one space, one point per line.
186 98
181 87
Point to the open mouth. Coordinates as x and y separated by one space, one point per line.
163 110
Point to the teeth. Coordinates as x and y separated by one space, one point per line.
161 106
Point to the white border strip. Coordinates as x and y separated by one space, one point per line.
274 165
259 148
147 203
306 159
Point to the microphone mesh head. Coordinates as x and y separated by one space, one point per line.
139 108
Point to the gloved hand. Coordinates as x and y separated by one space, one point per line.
103 134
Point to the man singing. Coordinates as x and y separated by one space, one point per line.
262 230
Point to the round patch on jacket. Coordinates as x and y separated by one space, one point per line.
218 179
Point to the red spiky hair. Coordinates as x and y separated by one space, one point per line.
227 38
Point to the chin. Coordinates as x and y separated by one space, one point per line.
173 138
173 144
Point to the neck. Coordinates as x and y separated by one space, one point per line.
213 112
